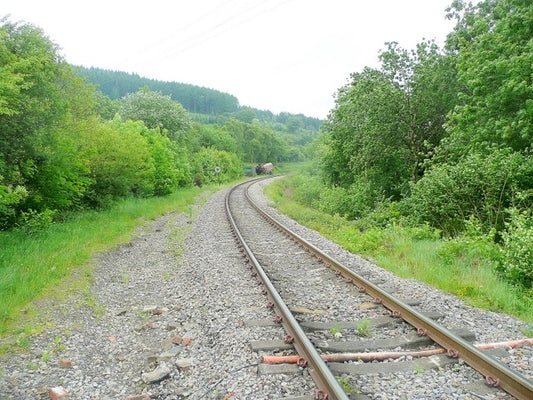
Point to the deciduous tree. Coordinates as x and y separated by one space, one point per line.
494 43
156 111
387 121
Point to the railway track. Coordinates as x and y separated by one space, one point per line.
357 306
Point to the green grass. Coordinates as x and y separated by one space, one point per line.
461 268
335 329
363 327
346 385
34 263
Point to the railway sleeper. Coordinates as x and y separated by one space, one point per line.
408 341
378 322
419 364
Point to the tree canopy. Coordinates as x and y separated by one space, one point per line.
156 111
443 136
494 45
66 146
41 98
195 99
387 121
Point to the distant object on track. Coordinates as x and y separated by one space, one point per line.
264 169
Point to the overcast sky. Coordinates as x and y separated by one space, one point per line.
277 55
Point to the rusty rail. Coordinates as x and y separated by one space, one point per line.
495 373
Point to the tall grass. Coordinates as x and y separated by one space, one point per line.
33 261
464 268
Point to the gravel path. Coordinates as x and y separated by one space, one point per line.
165 318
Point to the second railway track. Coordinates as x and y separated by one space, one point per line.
341 310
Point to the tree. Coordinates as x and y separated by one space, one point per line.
120 161
245 115
42 101
207 160
156 111
364 139
195 99
12 79
493 40
429 81
387 121
256 143
211 136
294 124
105 107
484 165
30 98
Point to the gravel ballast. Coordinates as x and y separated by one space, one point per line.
166 317
455 382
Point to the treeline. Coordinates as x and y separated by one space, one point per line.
212 105
196 99
65 146
441 137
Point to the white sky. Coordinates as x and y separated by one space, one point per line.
277 55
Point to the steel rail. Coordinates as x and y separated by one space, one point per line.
321 374
495 373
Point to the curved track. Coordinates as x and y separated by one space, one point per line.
328 387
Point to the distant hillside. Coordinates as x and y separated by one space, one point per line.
205 105
196 99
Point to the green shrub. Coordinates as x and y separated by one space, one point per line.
205 162
9 198
120 162
383 215
33 221
479 186
365 242
162 149
516 261
473 246
306 189
355 202
333 200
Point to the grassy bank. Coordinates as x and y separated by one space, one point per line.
31 262
463 268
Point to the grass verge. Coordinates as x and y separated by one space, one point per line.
32 263
460 268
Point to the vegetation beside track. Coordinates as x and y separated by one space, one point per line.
464 266
35 263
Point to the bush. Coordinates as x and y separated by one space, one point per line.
516 261
166 174
479 186
33 221
307 189
9 199
366 242
207 159
357 201
473 244
120 163
61 174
